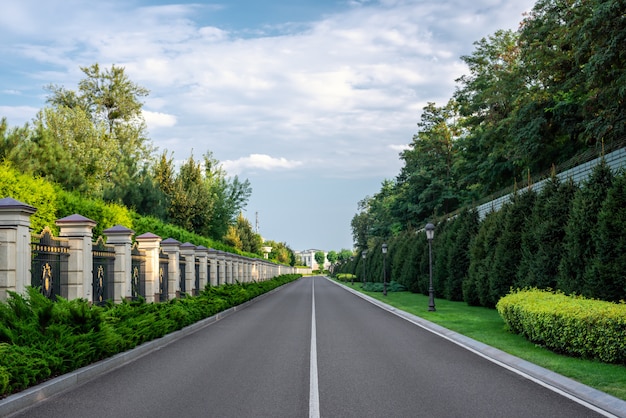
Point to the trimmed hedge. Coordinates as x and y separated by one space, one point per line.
570 325
41 339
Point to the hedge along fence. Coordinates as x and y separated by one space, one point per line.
40 339
571 325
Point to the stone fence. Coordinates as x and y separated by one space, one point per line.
73 266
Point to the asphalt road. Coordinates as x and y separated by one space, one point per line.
257 363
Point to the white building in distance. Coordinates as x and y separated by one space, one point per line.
308 259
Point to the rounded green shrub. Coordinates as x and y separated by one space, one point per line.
570 325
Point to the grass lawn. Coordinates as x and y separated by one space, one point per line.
486 326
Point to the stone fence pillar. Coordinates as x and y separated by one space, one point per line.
149 243
188 252
78 230
213 267
15 250
222 267
171 247
203 255
121 239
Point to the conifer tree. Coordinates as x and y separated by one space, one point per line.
508 251
465 228
476 287
578 246
606 278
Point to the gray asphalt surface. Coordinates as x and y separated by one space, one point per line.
255 363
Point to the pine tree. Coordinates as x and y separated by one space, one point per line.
606 278
508 252
578 246
465 228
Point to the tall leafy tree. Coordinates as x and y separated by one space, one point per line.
486 99
111 104
251 242
230 195
427 184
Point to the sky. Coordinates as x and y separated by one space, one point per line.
310 100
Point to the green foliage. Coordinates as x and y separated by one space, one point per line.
345 277
392 286
40 339
532 98
572 325
35 192
578 246
104 214
606 279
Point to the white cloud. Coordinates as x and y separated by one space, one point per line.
334 96
399 147
259 162
18 115
158 120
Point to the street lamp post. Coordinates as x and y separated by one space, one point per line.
363 255
430 234
384 270
352 275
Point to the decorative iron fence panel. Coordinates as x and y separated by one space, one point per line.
197 278
138 273
49 263
163 275
103 271
181 277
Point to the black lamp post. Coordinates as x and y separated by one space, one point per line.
352 275
384 270
430 234
363 255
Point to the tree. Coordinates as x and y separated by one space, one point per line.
320 259
578 246
606 279
230 195
361 224
332 257
251 242
426 184
103 125
486 98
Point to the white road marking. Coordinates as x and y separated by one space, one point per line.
314 394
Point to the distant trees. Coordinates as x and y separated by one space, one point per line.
94 141
531 99
565 237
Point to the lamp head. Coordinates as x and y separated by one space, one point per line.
430 231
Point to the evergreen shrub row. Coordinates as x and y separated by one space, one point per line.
572 325
41 339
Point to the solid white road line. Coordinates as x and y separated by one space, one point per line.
314 394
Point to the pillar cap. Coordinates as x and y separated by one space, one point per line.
148 236
75 219
8 203
118 230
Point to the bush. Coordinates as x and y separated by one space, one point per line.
570 325
346 277
40 338
392 286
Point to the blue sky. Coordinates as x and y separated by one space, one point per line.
310 100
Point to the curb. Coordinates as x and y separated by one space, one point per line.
593 399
